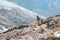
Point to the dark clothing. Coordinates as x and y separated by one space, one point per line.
38 20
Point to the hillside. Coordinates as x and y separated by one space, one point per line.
49 28
10 18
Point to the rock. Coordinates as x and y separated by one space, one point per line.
57 34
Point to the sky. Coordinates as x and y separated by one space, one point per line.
43 7
32 4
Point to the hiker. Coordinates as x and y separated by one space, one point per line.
38 20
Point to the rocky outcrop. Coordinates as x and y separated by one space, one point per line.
46 30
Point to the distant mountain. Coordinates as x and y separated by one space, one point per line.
12 15
43 7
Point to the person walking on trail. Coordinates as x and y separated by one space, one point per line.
38 21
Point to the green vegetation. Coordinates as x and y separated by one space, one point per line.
57 15
53 38
47 21
19 27
7 38
22 26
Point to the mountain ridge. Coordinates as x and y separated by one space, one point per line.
44 31
12 15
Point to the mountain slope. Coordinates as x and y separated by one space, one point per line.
12 15
28 33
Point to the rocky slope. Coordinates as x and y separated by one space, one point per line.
49 28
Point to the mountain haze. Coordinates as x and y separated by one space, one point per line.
12 15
